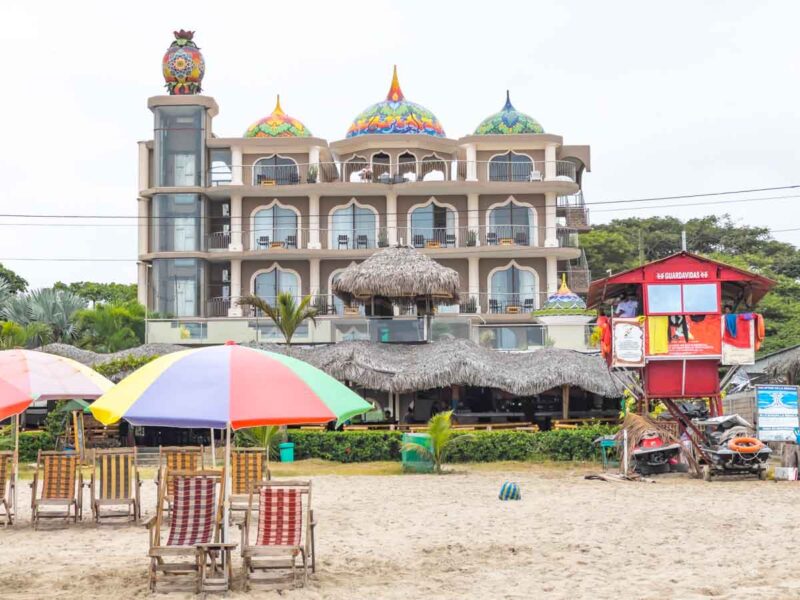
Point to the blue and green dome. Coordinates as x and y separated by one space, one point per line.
509 120
277 124
564 299
396 115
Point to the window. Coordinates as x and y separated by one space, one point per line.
408 163
353 226
512 290
433 223
690 298
275 169
432 168
177 286
176 223
355 170
270 283
220 170
511 224
275 224
179 146
511 167
381 167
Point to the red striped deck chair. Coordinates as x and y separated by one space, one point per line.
115 482
196 519
7 487
61 487
248 467
178 458
284 532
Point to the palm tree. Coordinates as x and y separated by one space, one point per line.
55 308
14 335
442 439
287 314
266 437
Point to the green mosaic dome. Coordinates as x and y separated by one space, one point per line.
508 120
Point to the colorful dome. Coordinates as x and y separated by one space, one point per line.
509 120
277 124
564 299
396 115
183 65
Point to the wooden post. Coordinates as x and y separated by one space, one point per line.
565 401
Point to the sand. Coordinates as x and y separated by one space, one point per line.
449 536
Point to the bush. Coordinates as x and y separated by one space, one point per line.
121 365
30 442
485 446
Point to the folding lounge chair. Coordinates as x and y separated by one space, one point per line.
178 458
248 467
115 482
7 487
284 531
61 486
196 519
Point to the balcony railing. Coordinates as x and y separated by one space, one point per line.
405 172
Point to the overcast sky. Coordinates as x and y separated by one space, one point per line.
674 98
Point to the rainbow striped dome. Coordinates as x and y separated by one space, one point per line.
564 299
396 115
509 120
277 124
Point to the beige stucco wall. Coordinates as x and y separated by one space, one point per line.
461 265
327 267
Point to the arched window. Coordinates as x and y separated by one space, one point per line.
353 226
381 167
274 224
511 223
268 284
513 289
432 168
336 303
355 170
407 166
433 224
275 169
512 167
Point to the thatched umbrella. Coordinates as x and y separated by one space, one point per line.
400 274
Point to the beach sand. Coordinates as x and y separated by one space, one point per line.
449 536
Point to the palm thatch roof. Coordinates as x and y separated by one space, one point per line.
397 272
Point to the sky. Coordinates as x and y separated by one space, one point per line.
679 97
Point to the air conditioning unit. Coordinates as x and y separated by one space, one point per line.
226 275
226 210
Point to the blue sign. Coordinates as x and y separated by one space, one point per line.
777 412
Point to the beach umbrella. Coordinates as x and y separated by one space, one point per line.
228 387
28 375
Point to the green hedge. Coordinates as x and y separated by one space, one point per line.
485 446
30 442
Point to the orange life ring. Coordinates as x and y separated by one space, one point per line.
745 445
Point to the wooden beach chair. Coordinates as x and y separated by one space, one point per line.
284 532
248 467
115 482
197 510
62 483
177 458
7 487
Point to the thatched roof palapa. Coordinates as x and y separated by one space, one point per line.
397 273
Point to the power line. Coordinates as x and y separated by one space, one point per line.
699 204
684 196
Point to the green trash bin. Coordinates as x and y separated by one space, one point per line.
287 451
412 461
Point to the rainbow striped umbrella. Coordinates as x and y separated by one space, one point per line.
221 386
28 375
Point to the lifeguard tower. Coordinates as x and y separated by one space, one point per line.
667 327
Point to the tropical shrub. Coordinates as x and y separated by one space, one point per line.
121 365
30 442
110 327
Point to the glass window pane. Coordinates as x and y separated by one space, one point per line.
700 298
664 298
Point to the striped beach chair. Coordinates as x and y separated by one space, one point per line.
174 459
61 487
284 532
196 519
248 467
115 482
7 487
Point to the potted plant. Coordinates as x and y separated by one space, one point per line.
311 176
472 238
383 238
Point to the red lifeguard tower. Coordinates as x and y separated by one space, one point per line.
670 324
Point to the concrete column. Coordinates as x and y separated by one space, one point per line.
472 163
552 275
391 219
550 161
313 239
236 165
142 283
313 158
473 217
144 225
550 227
237 224
474 280
236 288
313 276
144 166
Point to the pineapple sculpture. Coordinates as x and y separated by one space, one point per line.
183 65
